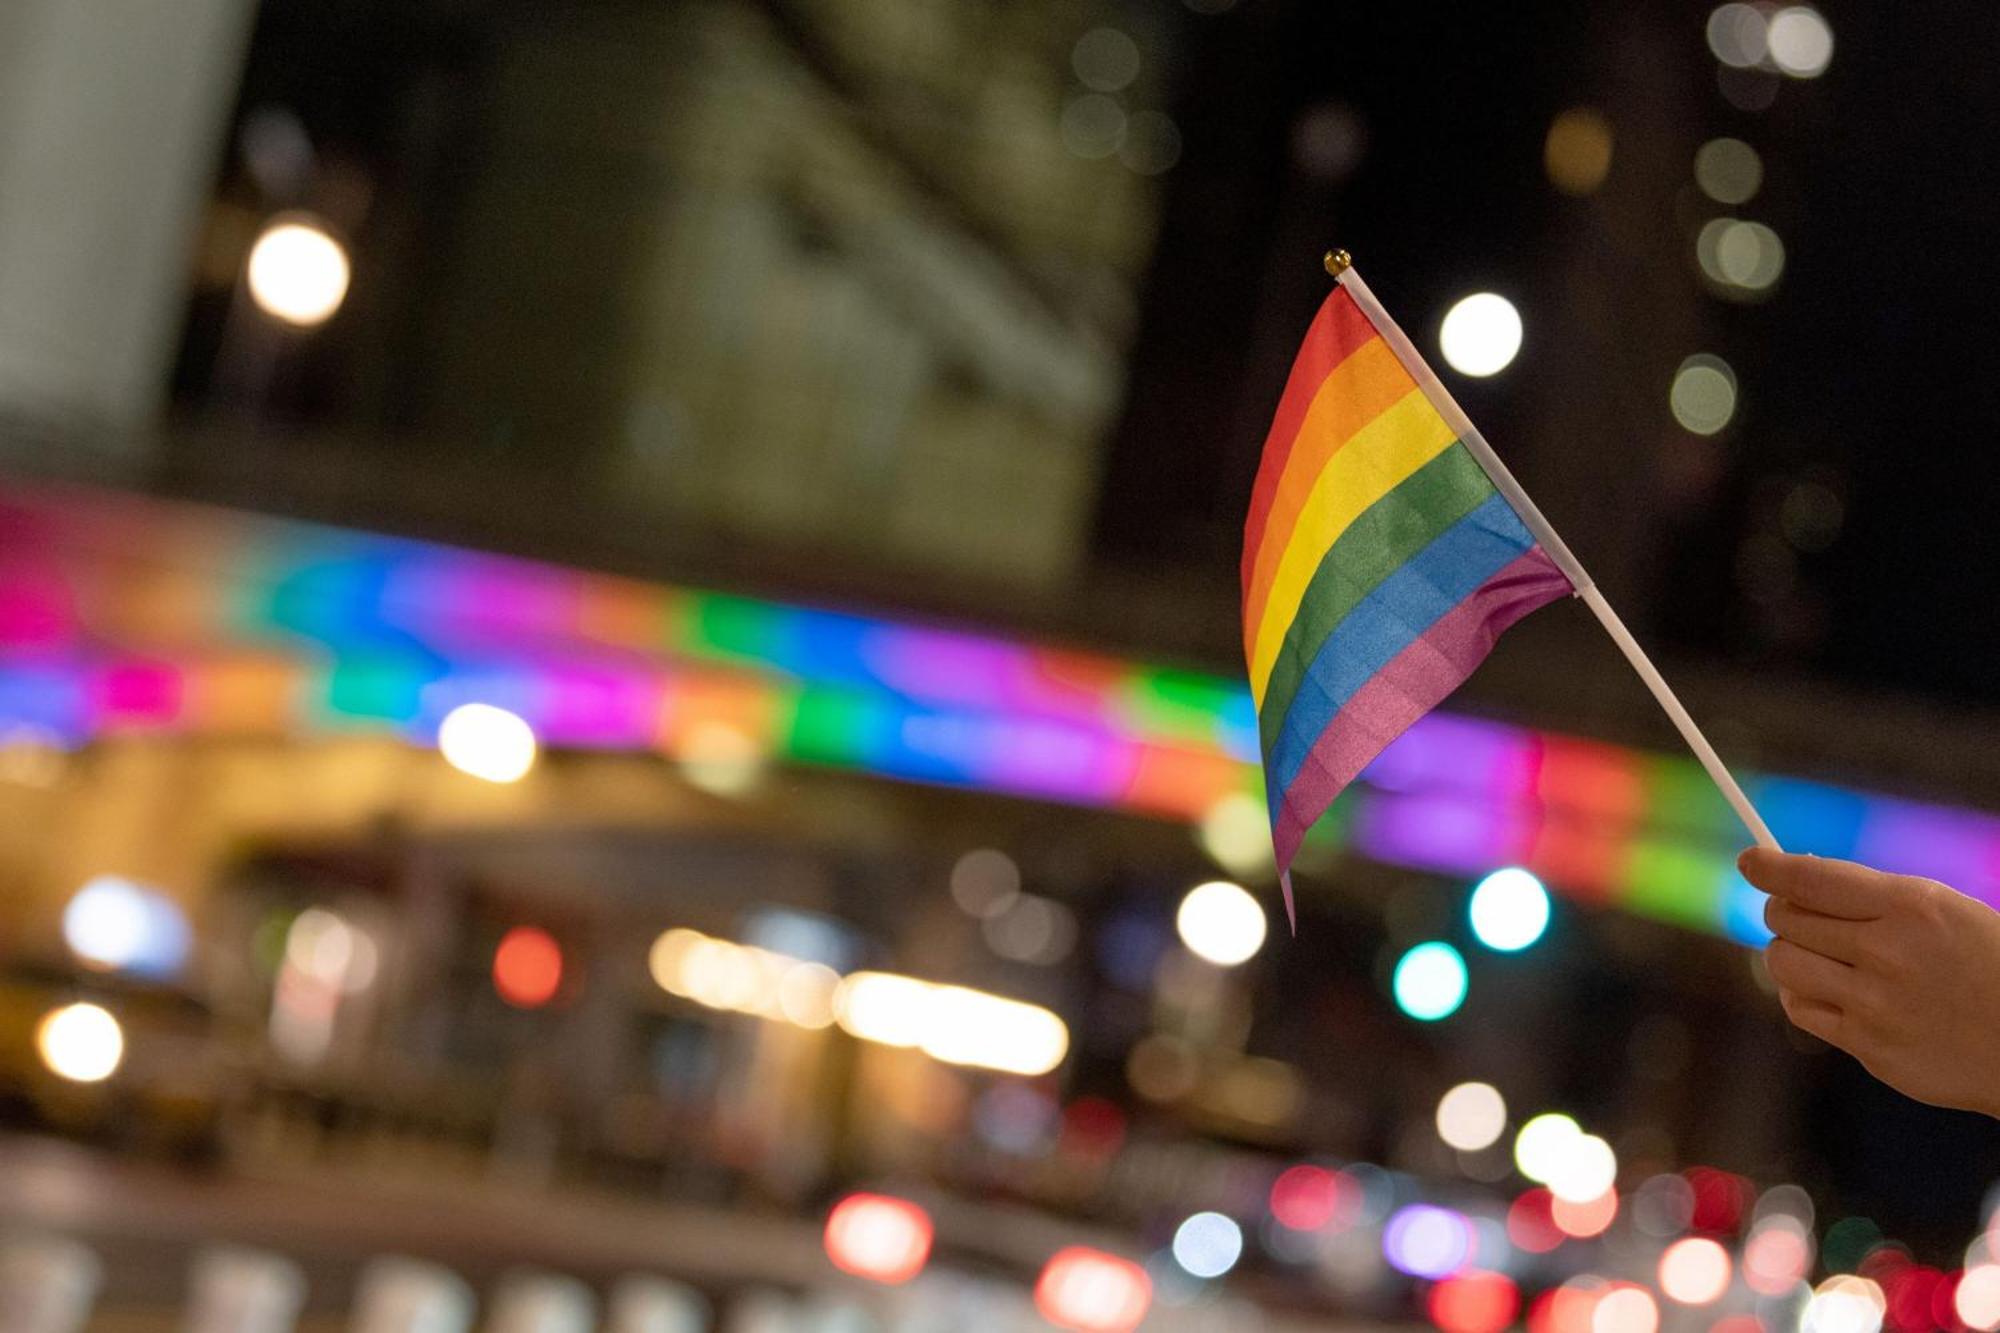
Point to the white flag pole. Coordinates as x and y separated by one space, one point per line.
1342 269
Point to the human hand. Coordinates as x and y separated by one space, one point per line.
1900 972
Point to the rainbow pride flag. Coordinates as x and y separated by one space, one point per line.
1382 558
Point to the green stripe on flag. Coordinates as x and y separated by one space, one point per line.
1381 540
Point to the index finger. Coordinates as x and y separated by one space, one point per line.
1818 884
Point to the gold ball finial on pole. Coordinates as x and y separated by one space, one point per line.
1337 262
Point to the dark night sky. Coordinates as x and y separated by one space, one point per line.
1873 367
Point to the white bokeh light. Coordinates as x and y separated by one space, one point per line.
1801 43
81 1042
1472 1116
1481 334
1509 910
1540 1147
1694 1271
1844 1303
1208 1245
487 742
298 272
1221 922
1977 1298
1584 1169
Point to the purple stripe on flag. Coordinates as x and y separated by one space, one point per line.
1415 681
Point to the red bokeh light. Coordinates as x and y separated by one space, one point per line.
1944 1301
527 967
1093 1127
1093 1292
1306 1198
1912 1291
1474 1302
1531 1222
877 1237
1719 1198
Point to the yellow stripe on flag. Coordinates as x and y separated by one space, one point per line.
1370 465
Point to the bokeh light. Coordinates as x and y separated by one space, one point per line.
119 926
1568 1308
1703 397
1776 1257
1801 43
1092 1292
1694 1271
1236 831
1743 259
1976 1300
1093 125
1474 1302
1577 152
1540 1145
985 882
1430 982
487 742
1728 171
1663 1206
1424 1240
1105 59
1738 35
1585 1168
1481 334
956 1024
1472 1116
1531 1224
1580 1221
1221 922
80 1042
1720 1198
324 946
1509 910
1208 1245
1844 1303
878 1237
1307 1198
298 272
1625 1309
527 967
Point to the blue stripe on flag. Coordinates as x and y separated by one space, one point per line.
1400 609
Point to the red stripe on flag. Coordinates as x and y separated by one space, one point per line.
1337 331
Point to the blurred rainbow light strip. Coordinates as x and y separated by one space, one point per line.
121 615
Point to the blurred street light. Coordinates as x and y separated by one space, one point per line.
298 272
878 1237
1481 334
1092 1292
1208 1245
1472 1116
1509 910
527 967
487 742
1221 923
81 1042
1430 981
